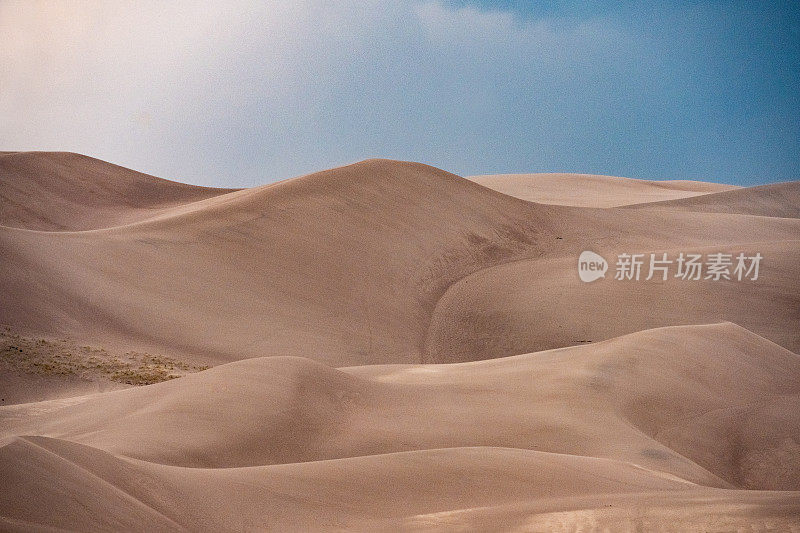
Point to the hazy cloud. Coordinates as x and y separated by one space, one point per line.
242 93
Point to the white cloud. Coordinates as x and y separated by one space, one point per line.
244 92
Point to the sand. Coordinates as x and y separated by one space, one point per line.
393 347
591 190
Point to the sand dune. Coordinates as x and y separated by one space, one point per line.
489 313
344 266
303 267
413 490
626 419
56 191
589 190
640 407
774 200
331 305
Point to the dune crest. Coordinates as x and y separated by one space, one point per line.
346 266
773 200
589 190
61 191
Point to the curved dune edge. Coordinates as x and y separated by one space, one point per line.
443 488
773 200
426 446
62 191
589 190
489 312
346 266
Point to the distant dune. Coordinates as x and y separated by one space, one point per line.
589 190
343 266
774 200
55 191
393 347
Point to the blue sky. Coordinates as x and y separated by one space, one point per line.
244 93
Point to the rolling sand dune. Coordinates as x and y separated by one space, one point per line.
774 200
490 312
396 348
611 402
589 190
64 191
413 490
554 428
344 266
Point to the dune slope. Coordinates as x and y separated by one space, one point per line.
56 191
345 266
538 304
639 398
773 200
589 190
415 490
531 438
342 265
393 347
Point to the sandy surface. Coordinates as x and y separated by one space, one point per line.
393 347
591 190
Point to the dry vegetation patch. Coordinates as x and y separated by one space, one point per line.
64 357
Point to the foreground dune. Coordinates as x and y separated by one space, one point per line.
394 347
622 423
452 488
636 399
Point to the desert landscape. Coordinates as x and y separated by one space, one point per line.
387 346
